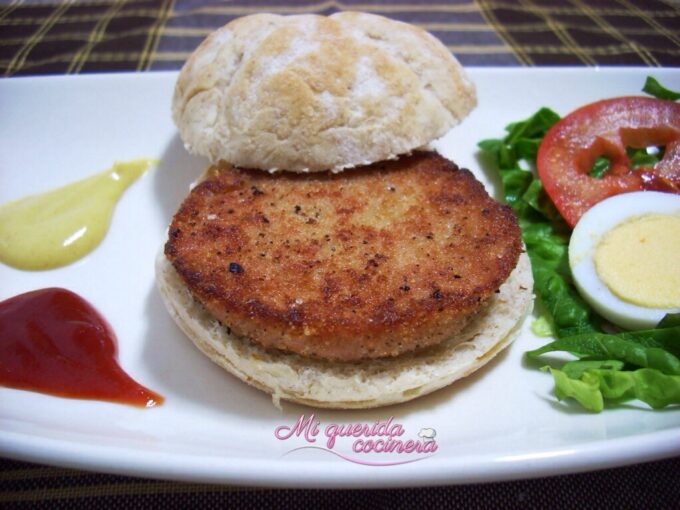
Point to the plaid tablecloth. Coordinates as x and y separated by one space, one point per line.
74 36
78 36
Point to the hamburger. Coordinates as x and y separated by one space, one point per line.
325 256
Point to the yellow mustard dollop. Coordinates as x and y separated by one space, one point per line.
56 228
639 261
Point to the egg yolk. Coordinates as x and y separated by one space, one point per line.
639 261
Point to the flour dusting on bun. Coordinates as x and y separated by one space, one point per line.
312 93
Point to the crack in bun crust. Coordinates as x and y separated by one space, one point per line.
374 263
314 93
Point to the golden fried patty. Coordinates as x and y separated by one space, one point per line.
370 263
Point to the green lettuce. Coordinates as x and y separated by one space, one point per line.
654 88
600 167
604 346
593 386
542 327
575 369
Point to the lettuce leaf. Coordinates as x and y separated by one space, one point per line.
591 389
603 346
670 320
585 390
542 327
600 167
654 88
575 369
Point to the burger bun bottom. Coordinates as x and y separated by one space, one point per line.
363 385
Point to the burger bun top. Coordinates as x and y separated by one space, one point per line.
311 93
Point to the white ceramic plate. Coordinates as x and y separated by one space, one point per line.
502 423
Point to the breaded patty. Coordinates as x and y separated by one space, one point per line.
373 262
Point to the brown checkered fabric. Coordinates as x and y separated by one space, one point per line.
647 486
588 32
73 36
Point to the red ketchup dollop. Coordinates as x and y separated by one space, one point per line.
53 341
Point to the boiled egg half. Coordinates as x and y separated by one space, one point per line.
624 256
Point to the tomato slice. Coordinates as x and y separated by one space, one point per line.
606 128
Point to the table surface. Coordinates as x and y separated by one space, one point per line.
39 37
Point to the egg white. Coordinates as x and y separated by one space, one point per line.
587 234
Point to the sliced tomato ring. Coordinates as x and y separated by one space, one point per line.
606 128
